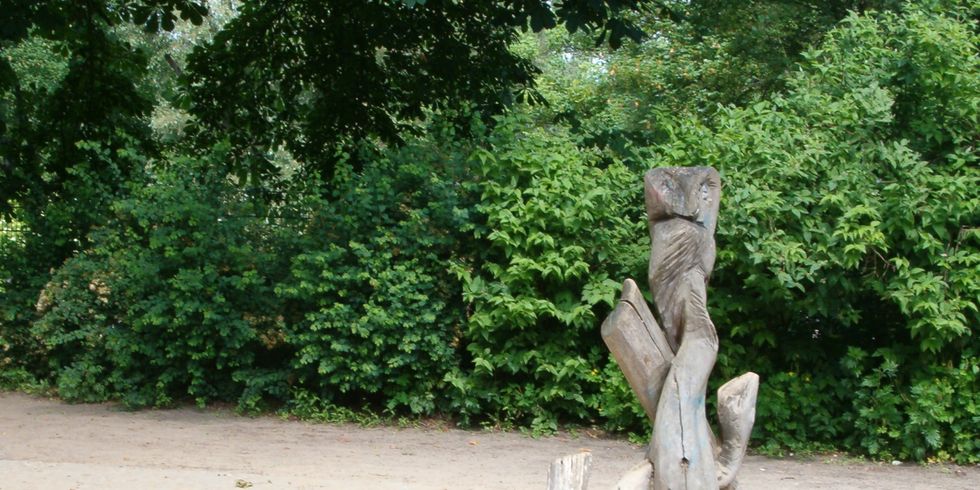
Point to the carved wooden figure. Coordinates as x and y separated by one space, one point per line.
668 357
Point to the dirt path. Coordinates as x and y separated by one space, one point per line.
46 444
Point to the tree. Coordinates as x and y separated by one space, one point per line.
71 143
96 100
309 75
700 56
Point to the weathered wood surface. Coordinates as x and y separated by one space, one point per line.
682 209
681 451
639 346
736 415
668 357
570 472
637 478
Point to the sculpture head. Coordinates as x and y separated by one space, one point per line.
690 193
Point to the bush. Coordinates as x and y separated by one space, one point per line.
470 277
376 313
15 303
849 226
173 299
560 229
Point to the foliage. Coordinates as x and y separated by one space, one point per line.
307 406
929 414
167 53
377 315
850 225
369 69
558 225
173 299
94 100
72 135
343 236
750 47
702 55
887 404
619 408
863 201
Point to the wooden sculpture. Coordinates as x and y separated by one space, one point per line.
667 357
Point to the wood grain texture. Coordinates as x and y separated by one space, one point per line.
639 346
570 472
668 356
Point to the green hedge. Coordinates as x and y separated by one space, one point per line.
174 298
848 271
375 315
469 276
559 228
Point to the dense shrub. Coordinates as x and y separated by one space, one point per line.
849 253
903 407
469 276
197 289
561 228
13 300
173 299
376 314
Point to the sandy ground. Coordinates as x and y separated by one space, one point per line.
47 444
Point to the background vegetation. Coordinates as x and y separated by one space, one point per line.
427 207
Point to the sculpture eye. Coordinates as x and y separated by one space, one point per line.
667 185
704 192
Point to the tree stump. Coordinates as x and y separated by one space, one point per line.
570 472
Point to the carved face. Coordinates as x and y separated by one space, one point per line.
690 193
